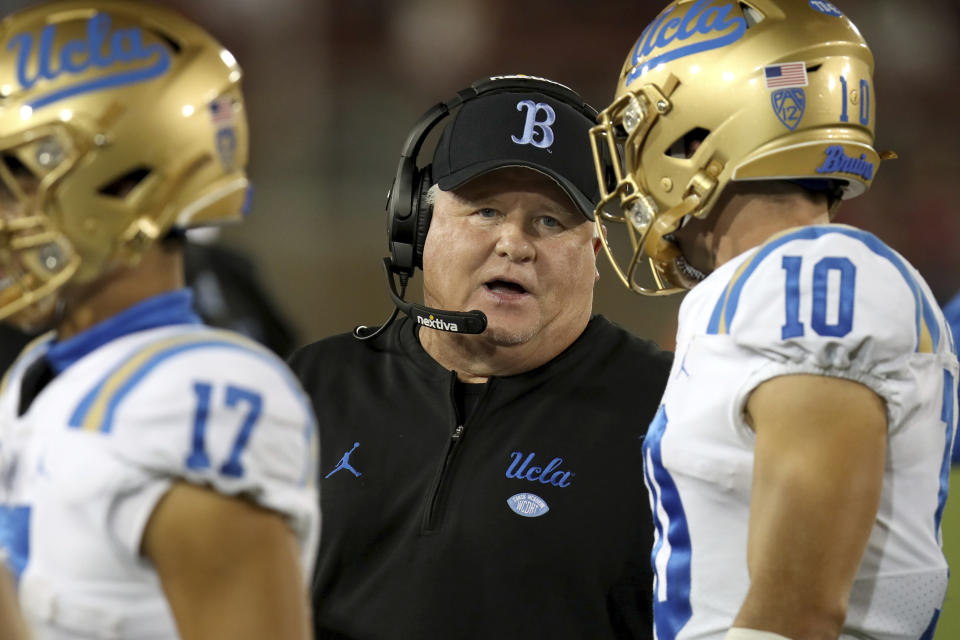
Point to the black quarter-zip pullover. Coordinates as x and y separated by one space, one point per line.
527 519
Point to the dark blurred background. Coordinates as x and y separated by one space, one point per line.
334 85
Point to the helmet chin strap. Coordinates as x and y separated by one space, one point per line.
663 254
141 233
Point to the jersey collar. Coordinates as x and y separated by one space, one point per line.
174 307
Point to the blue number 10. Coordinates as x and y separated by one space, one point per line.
864 102
793 328
199 458
843 112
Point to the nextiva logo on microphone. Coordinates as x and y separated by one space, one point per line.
436 323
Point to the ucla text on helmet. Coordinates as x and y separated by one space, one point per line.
707 25
101 48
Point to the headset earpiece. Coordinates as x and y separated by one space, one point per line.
423 212
401 223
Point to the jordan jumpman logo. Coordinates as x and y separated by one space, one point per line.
345 463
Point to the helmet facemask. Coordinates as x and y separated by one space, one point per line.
36 259
620 135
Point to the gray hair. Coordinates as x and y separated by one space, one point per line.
430 197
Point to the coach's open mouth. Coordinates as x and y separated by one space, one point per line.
504 286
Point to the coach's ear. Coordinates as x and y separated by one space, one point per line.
598 229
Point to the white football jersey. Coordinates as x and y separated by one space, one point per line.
84 467
827 300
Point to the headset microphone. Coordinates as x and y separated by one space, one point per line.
471 322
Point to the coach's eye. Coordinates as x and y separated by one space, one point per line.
550 222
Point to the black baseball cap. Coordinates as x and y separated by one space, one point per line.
520 129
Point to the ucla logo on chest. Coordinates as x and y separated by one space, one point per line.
708 23
525 468
121 54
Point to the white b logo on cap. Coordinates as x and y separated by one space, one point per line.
533 124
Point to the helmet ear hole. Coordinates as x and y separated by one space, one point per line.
686 145
122 186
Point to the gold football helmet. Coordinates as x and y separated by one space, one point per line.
719 90
118 122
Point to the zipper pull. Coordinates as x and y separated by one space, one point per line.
457 433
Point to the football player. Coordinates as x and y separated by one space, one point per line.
798 464
156 475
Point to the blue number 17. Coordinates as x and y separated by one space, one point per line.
199 458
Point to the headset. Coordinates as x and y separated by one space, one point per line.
409 214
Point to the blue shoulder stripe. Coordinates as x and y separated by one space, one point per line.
726 307
24 358
97 409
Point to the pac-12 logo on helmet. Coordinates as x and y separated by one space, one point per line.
719 90
118 121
